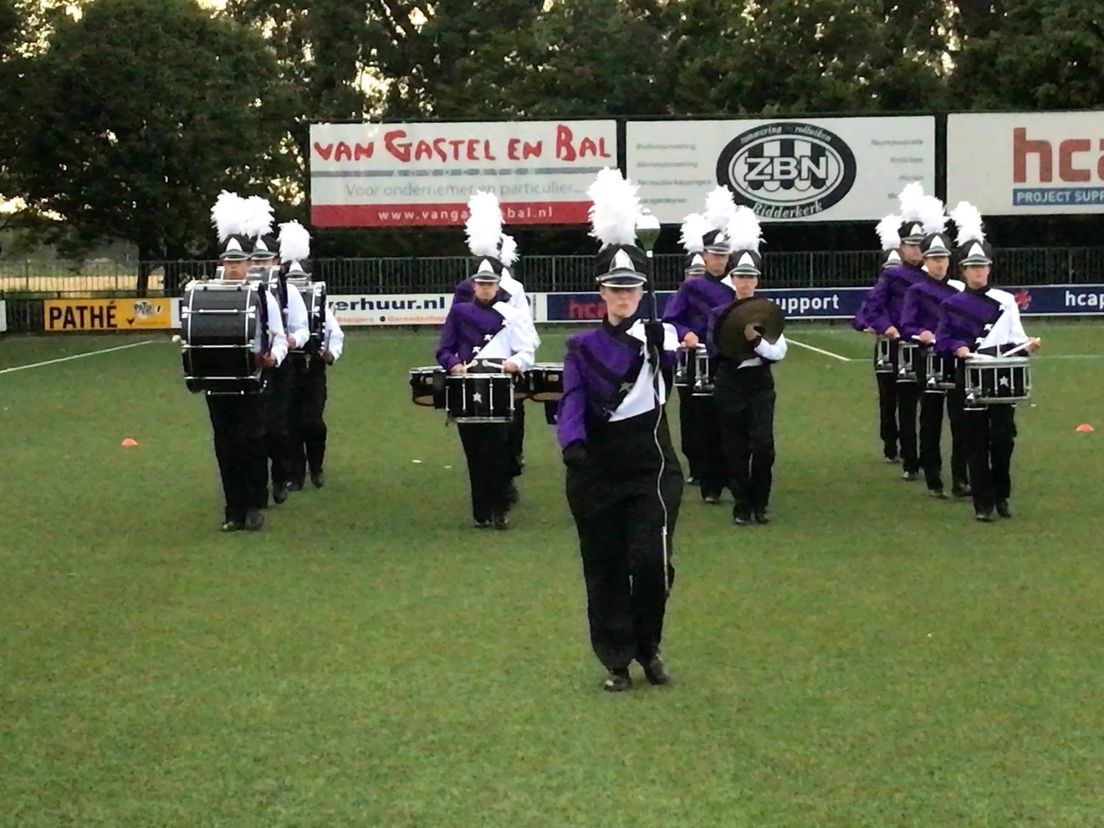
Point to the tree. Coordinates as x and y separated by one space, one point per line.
138 114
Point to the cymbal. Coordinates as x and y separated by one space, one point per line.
762 314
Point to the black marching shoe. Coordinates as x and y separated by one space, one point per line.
961 490
295 486
938 494
254 520
501 522
655 671
693 481
618 681
280 493
761 517
984 516
318 478
232 526
711 498
910 476
892 459
742 518
1003 510
483 524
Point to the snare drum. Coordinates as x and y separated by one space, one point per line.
544 381
314 297
940 371
997 381
693 371
907 359
884 353
480 398
427 386
221 336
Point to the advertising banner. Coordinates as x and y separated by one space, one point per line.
816 169
404 175
390 309
1026 163
3 316
107 314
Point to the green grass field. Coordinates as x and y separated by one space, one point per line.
872 658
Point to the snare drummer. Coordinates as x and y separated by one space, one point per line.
919 319
237 419
689 312
487 330
624 484
983 320
307 429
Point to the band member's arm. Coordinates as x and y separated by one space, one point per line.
298 326
771 351
277 339
523 341
519 302
571 413
876 307
948 339
910 315
449 344
678 311
335 337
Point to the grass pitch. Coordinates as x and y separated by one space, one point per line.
872 658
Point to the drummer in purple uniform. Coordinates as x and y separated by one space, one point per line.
919 319
689 311
624 484
486 335
983 320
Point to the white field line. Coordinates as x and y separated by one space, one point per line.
822 351
75 356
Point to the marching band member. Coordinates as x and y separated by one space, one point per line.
484 221
307 424
689 312
624 484
293 312
744 389
983 320
888 231
919 319
487 329
882 312
237 419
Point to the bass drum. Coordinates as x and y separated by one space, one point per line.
221 330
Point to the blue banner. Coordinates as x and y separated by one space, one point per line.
839 303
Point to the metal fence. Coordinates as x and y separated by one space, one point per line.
822 268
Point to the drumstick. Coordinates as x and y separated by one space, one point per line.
1021 346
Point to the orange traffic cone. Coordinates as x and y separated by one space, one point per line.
130 442
1084 428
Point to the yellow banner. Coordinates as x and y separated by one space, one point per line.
108 314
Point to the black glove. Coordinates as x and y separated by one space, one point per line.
653 333
576 456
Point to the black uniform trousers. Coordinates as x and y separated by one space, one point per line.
621 502
745 404
490 462
700 432
236 422
908 404
991 437
887 414
517 439
931 434
277 400
307 424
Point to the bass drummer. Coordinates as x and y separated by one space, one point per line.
237 419
487 335
983 320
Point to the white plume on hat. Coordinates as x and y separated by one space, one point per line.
968 219
615 208
720 207
694 227
910 199
743 230
228 215
258 216
294 242
931 214
888 231
484 224
509 253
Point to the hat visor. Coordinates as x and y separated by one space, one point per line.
976 260
486 278
721 249
912 241
234 256
745 270
622 278
937 254
263 256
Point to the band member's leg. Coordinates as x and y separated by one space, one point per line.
313 422
908 399
960 472
498 462
688 430
648 548
297 457
931 432
761 444
887 414
471 437
1002 440
252 456
222 429
517 439
981 479
711 462
276 423
735 437
602 525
